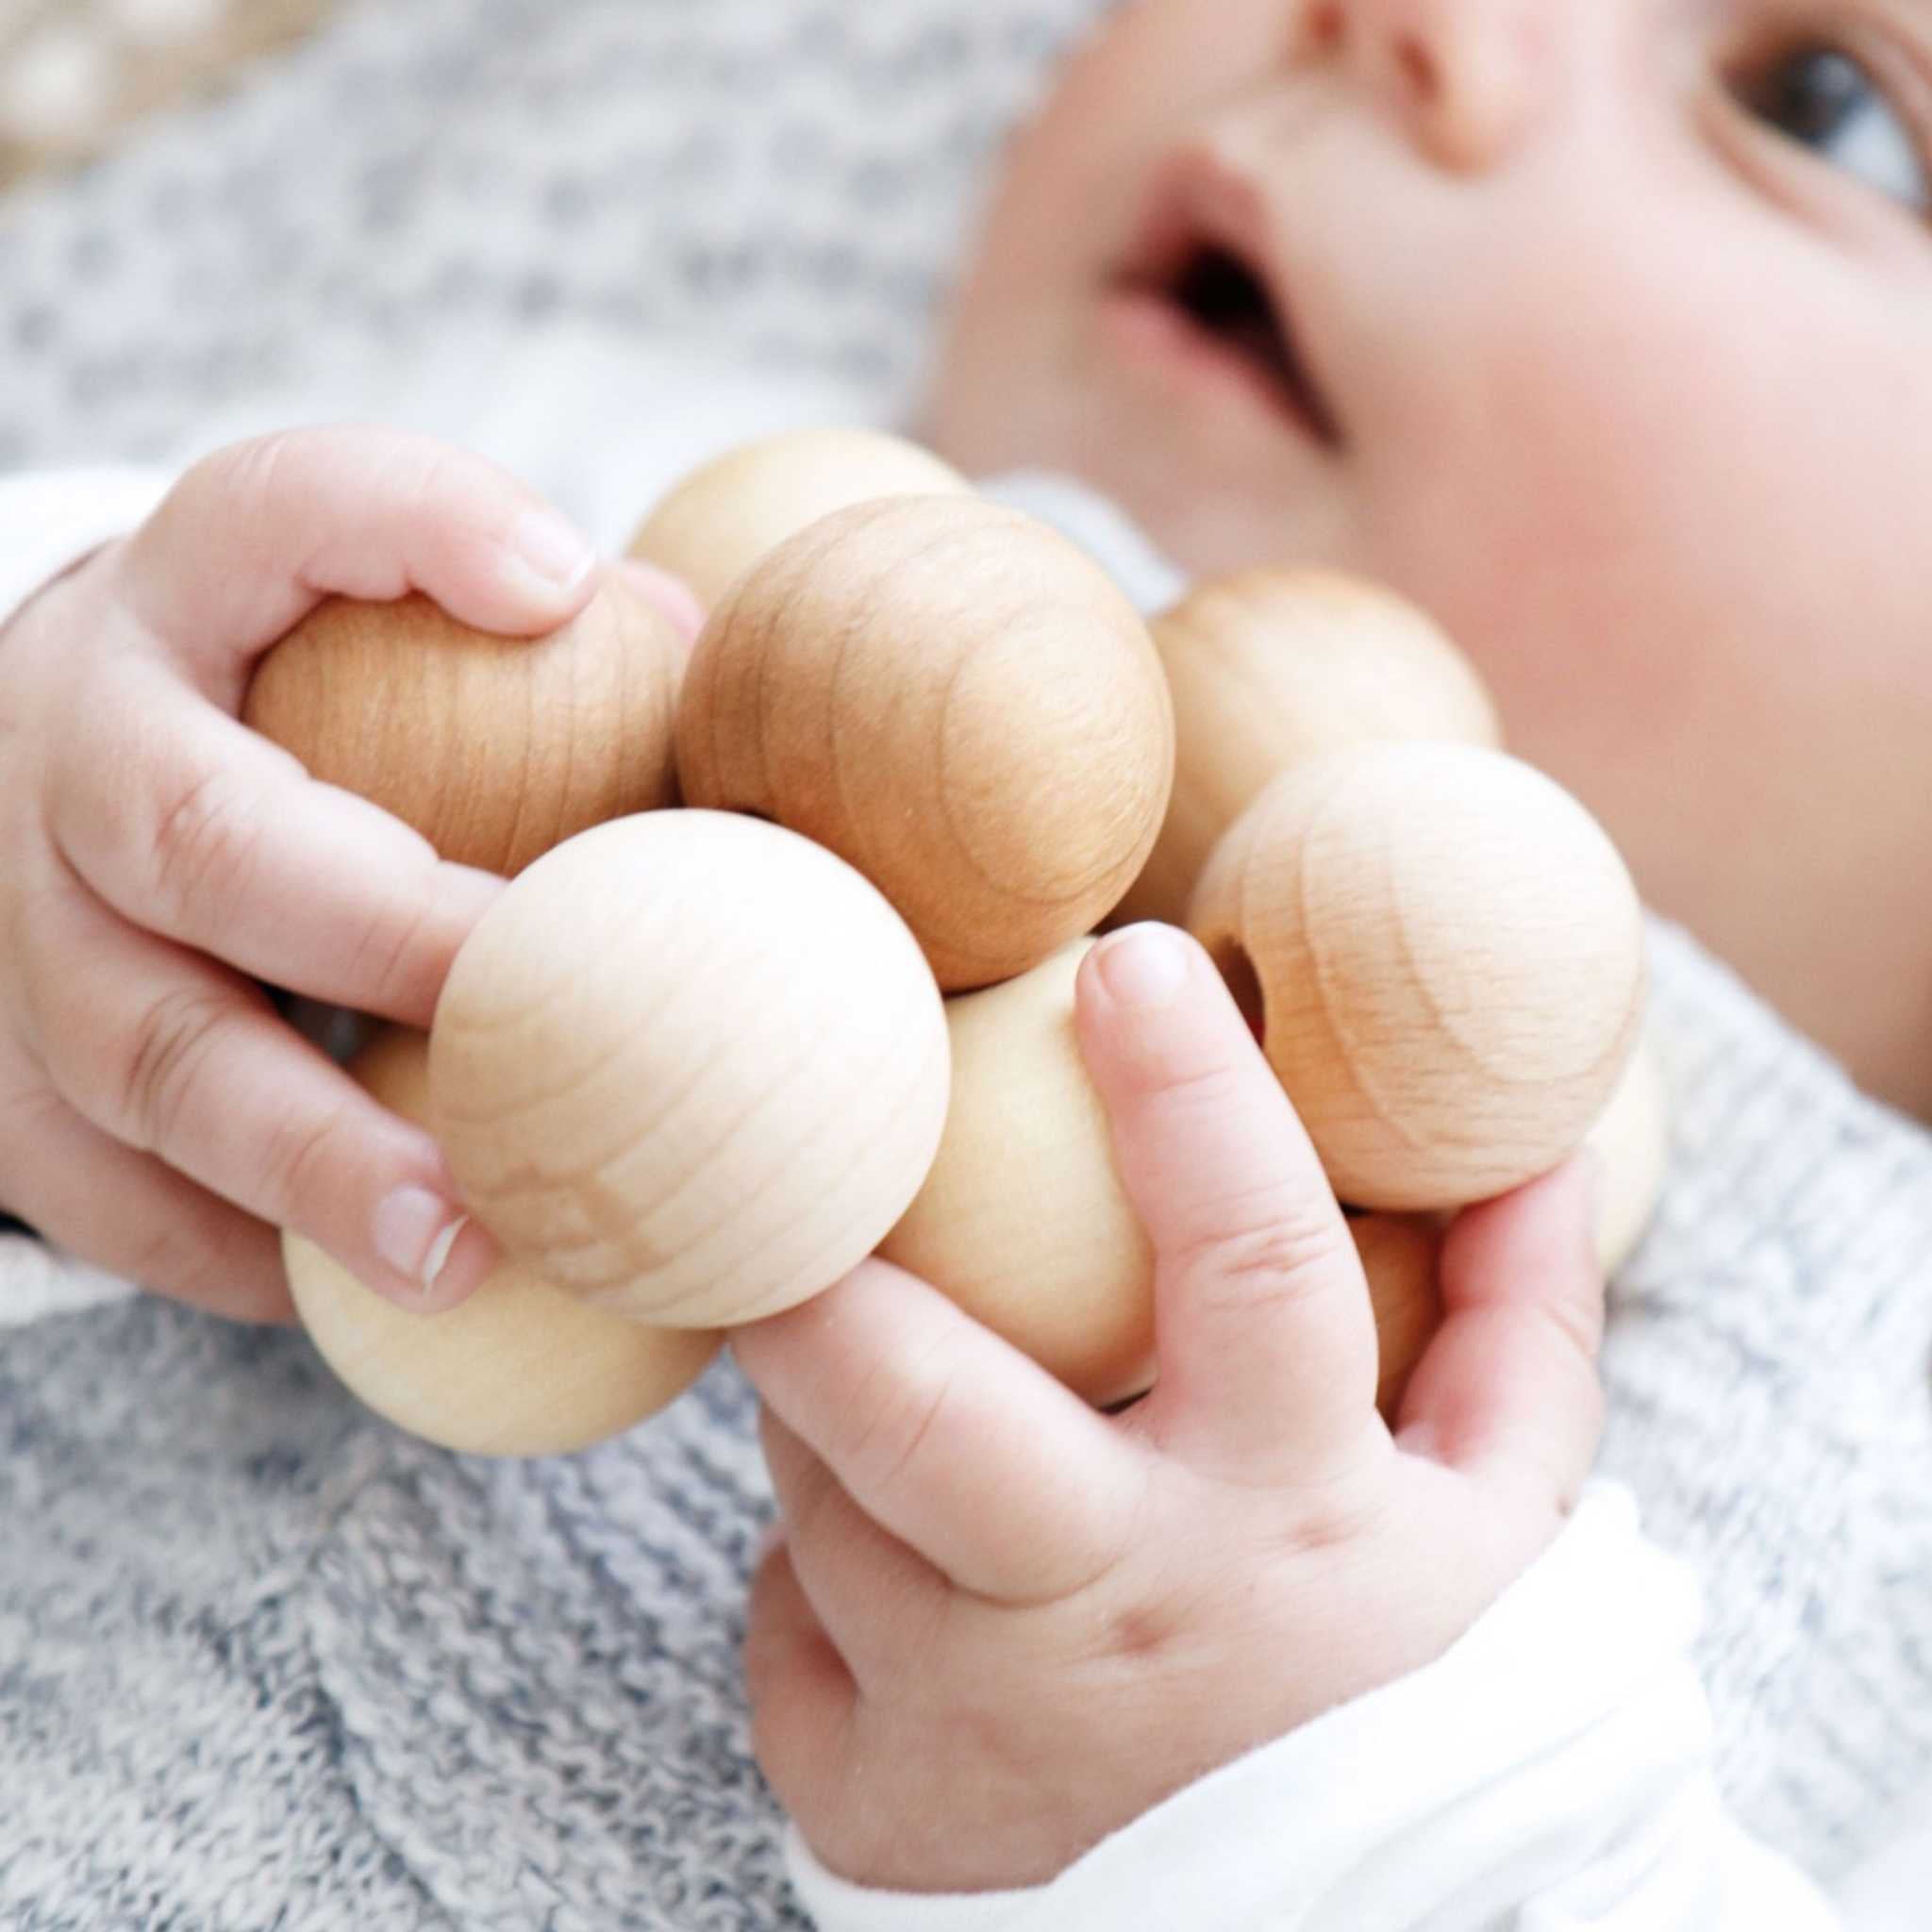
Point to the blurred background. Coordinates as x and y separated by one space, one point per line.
73 73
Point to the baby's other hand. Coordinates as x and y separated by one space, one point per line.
158 861
999 1626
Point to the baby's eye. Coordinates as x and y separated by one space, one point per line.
1820 96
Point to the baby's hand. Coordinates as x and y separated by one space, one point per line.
999 1626
157 859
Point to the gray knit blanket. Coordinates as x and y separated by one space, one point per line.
264 1661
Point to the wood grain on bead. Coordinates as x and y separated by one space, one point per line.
521 1368
1022 1221
955 699
690 1065
1633 1136
1270 667
493 748
1444 955
719 520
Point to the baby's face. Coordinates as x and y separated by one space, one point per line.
1603 328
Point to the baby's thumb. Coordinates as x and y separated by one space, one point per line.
1508 1392
254 536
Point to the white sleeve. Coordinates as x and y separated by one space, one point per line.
1549 1773
50 520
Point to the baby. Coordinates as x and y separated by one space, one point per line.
1530 310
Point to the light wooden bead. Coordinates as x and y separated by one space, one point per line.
519 1369
1022 1221
493 748
1445 953
1271 667
690 1065
1633 1137
1401 1255
954 698
721 519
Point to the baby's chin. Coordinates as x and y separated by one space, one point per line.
1214 495
1200 513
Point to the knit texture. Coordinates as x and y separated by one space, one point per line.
787 180
265 1662
1768 1367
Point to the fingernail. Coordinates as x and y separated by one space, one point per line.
432 1245
552 550
1144 966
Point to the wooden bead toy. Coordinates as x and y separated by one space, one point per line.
1633 1136
691 1066
721 519
954 698
493 748
519 1369
1023 1223
1270 667
1443 955
1022 1220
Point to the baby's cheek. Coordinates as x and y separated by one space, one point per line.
1572 509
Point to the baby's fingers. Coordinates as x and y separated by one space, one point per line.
954 1442
802 1695
254 537
189 825
170 1054
131 1214
880 1603
1265 1332
1509 1390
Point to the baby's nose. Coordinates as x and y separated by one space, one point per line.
1461 74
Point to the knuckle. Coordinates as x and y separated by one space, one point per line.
895 1415
433 484
385 960
1579 1317
1287 1249
158 1063
435 474
296 1156
251 476
205 842
1194 1091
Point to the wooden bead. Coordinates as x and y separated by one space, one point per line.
519 1369
690 1065
1633 1136
954 698
1401 1254
493 748
721 519
1271 667
1443 954
1023 1222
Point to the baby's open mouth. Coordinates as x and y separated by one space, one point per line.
1203 261
1222 297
